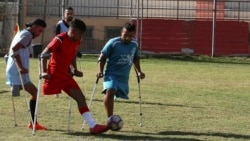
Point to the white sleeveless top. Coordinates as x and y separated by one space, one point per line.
63 27
12 76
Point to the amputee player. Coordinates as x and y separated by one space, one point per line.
18 60
63 49
120 53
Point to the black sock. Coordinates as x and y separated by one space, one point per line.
32 108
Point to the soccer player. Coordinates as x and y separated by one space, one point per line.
18 63
63 49
63 25
120 53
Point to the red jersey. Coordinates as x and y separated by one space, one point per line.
63 52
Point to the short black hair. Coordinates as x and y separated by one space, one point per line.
69 8
39 22
129 27
78 24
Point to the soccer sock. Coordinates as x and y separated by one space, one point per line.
32 108
109 118
87 116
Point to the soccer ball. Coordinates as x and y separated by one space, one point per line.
115 123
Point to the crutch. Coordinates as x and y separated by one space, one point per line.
22 84
139 96
69 117
91 98
80 64
12 97
38 94
14 109
70 107
79 55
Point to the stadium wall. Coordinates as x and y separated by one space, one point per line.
177 36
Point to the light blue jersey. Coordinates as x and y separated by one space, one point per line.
12 75
120 58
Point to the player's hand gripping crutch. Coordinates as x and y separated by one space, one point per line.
91 98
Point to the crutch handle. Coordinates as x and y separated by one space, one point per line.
138 78
97 79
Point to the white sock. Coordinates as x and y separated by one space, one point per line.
109 118
88 118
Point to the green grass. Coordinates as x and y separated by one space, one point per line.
183 99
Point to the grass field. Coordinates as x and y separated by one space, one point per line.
183 99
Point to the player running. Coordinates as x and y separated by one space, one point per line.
63 49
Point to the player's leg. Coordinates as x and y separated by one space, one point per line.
109 101
120 90
32 90
73 90
15 90
110 88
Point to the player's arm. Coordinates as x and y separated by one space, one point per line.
17 58
74 64
74 69
101 63
137 67
45 55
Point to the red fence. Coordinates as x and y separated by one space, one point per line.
171 36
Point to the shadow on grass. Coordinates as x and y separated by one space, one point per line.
215 134
149 103
165 135
4 91
143 136
204 59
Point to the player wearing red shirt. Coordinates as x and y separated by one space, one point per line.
63 49
63 53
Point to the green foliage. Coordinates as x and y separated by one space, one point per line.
184 98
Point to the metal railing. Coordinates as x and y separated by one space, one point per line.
174 9
238 10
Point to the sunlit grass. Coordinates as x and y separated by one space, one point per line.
183 99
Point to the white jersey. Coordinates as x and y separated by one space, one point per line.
25 38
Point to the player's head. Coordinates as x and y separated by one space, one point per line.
128 32
36 27
76 29
68 14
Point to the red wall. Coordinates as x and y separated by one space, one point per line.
170 36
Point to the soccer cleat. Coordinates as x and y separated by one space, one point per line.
98 129
37 126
